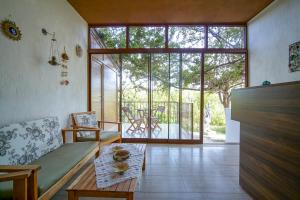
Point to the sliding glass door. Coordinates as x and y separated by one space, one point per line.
223 72
191 95
135 96
174 96
161 96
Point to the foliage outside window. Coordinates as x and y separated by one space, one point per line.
111 37
186 37
147 37
226 37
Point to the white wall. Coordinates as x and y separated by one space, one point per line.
269 36
29 87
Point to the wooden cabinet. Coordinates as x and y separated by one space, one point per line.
270 140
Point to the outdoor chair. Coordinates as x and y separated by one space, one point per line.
85 127
135 122
155 118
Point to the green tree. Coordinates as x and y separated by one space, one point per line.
222 72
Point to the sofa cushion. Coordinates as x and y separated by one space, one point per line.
57 163
24 142
54 166
104 136
107 135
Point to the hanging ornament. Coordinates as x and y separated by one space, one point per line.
78 50
54 54
64 67
64 56
53 57
56 59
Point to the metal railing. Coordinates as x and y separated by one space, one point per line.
171 109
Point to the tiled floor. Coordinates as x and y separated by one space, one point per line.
189 172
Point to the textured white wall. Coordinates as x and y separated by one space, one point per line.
29 87
269 36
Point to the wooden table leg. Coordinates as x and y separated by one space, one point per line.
72 195
130 196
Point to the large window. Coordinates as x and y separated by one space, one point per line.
169 36
186 36
226 37
174 81
146 37
108 37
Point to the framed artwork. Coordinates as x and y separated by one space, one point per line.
294 57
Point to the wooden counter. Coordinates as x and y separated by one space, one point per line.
270 140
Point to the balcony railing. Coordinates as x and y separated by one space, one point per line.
172 109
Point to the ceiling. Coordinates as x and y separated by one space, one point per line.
168 11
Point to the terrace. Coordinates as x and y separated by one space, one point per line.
160 99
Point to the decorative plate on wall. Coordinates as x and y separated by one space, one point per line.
294 58
11 30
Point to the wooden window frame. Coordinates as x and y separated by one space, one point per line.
166 49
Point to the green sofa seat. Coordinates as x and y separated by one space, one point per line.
104 136
54 166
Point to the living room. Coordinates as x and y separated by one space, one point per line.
202 95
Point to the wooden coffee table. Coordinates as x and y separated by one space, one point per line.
85 184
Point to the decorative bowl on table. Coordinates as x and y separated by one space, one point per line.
120 167
121 155
117 148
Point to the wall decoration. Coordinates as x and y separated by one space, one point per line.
78 50
53 55
294 57
64 67
11 30
55 59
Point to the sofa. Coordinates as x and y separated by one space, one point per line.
38 146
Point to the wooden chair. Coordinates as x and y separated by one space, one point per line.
85 127
135 122
155 119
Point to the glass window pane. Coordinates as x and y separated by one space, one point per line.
226 37
186 37
191 86
159 95
108 37
96 87
104 87
174 95
222 73
135 106
147 37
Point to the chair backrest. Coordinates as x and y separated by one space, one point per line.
128 113
159 109
84 120
22 143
